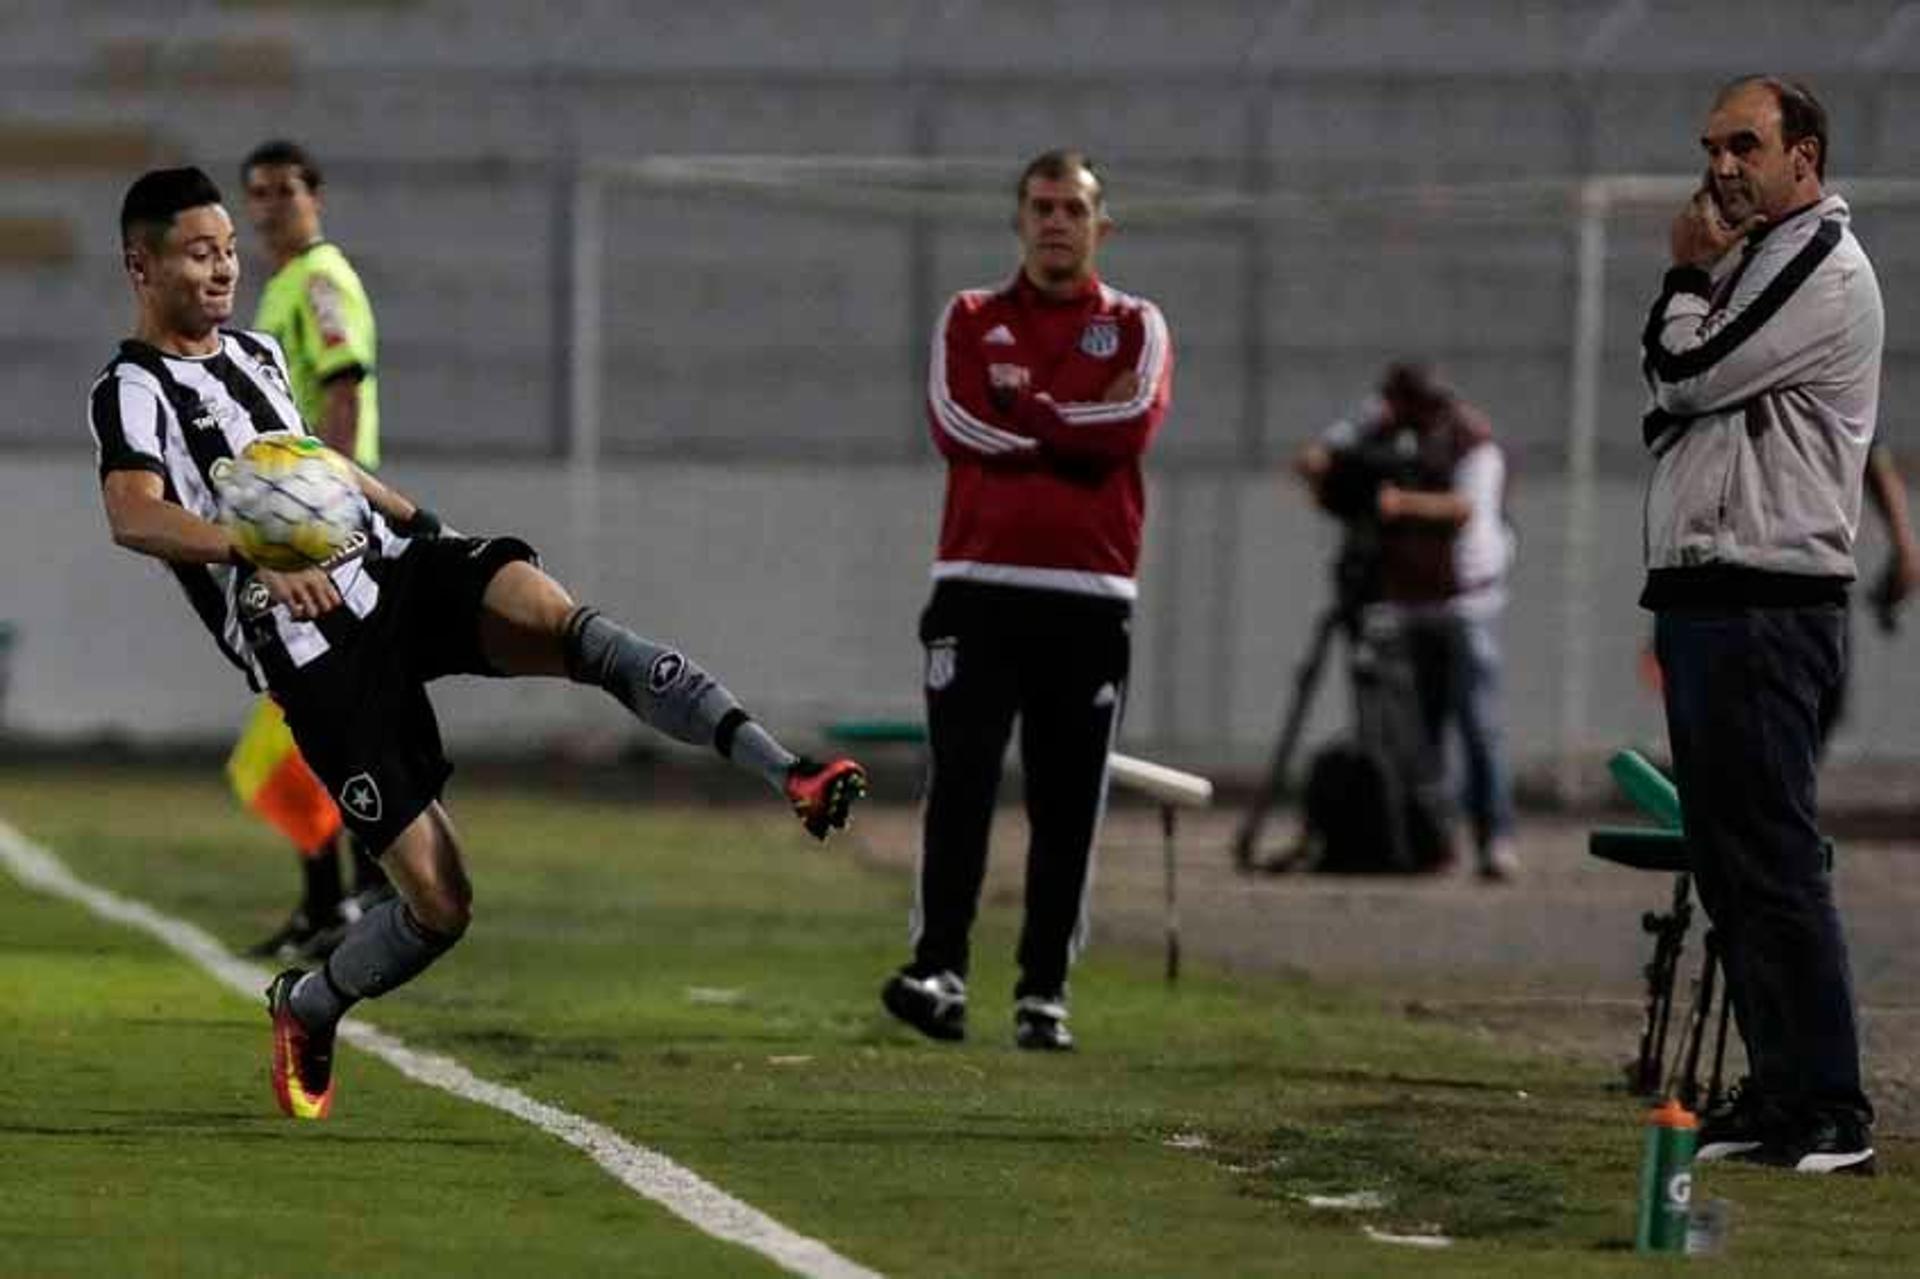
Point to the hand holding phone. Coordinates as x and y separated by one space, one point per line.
1702 235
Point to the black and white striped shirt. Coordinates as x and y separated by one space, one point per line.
176 416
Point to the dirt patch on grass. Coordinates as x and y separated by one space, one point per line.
1551 961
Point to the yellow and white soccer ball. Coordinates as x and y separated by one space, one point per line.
289 501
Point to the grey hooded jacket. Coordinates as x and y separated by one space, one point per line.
1765 381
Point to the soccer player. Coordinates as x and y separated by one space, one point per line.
349 647
315 308
1042 395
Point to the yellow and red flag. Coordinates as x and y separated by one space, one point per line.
269 777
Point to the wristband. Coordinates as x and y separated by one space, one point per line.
422 523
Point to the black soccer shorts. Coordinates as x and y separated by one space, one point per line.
360 712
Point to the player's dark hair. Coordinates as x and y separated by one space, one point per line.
1801 115
280 151
157 197
1057 166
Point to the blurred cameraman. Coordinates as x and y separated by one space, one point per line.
1420 485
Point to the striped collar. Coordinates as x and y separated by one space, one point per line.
1825 205
1021 289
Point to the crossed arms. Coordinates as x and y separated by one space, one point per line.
1017 427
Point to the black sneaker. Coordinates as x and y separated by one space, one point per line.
1825 1143
1740 1124
299 938
317 946
934 1005
1041 1024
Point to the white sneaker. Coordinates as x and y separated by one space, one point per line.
1498 861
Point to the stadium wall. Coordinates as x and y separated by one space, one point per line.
801 587
772 496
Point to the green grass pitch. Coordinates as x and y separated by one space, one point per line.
703 981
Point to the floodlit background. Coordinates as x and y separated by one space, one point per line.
654 284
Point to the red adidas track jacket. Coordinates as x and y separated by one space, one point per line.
1044 485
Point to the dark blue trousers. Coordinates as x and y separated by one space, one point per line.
1749 693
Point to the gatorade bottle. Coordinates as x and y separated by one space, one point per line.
1666 1179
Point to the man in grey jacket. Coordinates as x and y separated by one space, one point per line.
1765 370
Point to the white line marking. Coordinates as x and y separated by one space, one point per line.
1410 1241
646 1172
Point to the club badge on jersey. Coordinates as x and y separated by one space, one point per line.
255 600
270 373
1100 339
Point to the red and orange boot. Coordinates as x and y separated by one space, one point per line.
823 795
302 1058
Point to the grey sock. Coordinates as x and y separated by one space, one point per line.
385 949
666 690
754 748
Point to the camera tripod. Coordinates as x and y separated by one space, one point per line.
1354 578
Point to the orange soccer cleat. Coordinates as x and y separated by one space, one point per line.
302 1058
824 794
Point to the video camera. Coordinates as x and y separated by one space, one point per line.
1350 492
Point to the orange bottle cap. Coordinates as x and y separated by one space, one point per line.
1671 1114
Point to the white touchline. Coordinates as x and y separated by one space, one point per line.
646 1172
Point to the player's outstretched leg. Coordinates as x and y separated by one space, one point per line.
669 691
530 626
385 948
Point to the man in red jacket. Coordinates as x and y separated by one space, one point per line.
1042 395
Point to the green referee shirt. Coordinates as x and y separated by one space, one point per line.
315 307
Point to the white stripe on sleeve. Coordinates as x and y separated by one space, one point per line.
981 437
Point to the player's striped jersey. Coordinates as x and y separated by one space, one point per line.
177 416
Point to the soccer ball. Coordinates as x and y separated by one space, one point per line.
289 501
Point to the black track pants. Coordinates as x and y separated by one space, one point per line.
1056 662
